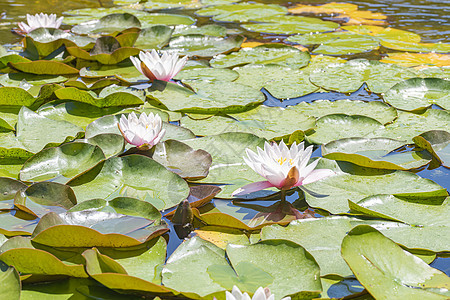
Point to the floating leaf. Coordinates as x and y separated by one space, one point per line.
383 267
437 142
339 126
375 153
210 29
165 19
44 67
419 93
388 34
279 54
417 59
290 25
131 176
203 45
9 282
108 24
349 77
154 37
95 229
208 74
337 43
242 12
112 58
208 97
67 160
416 47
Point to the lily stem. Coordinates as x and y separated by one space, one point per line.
283 195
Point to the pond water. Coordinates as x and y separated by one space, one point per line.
431 20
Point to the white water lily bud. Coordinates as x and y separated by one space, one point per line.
40 20
260 294
161 67
143 131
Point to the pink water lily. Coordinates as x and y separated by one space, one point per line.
161 67
145 131
283 168
40 20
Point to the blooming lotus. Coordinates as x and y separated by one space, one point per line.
283 168
260 294
145 131
161 67
40 20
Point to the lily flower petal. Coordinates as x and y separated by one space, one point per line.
145 130
40 20
160 67
252 187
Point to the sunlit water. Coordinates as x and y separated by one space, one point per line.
430 19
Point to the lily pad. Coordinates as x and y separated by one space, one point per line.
419 93
242 12
333 193
165 19
349 77
437 142
44 67
375 110
210 29
280 82
416 47
388 34
290 25
385 269
375 153
132 175
203 45
65 161
266 122
154 37
165 4
112 58
108 24
208 97
337 43
417 59
95 229
279 54
112 95
183 160
208 74
339 126
10 282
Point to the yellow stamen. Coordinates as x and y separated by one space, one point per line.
282 160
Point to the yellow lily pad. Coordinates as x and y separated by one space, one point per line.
418 59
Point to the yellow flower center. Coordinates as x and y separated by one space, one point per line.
282 160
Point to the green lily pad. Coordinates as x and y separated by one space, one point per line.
112 95
339 126
349 77
95 229
207 74
11 57
108 24
165 19
183 160
208 97
47 40
337 43
425 213
12 96
44 67
165 4
323 237
375 153
437 142
388 34
333 193
20 252
419 93
12 225
279 54
266 122
210 29
242 12
131 176
9 282
280 82
203 45
416 47
408 125
154 37
112 58
121 205
290 25
375 110
114 276
111 144
385 269
31 137
67 161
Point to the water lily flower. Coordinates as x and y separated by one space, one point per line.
161 67
260 294
145 131
40 20
283 168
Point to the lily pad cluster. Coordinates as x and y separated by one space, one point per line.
84 214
